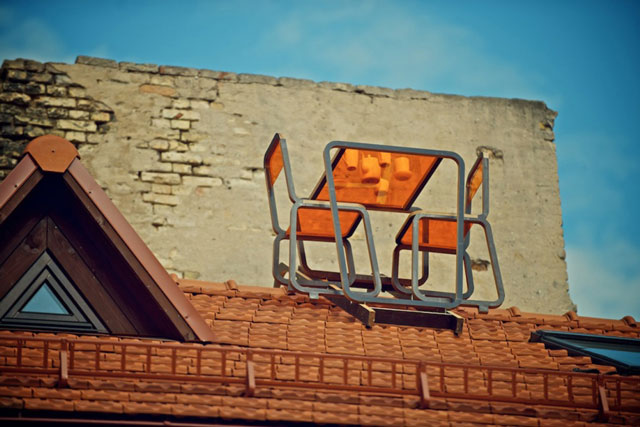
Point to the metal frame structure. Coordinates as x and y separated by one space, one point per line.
342 284
414 221
361 297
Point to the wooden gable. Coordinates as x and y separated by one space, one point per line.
59 232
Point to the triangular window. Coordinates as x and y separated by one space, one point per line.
44 298
44 301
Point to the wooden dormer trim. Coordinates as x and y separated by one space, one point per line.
40 190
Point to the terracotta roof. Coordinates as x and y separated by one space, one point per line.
275 357
281 357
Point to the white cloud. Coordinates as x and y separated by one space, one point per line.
604 281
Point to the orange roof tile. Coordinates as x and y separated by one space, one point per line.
489 374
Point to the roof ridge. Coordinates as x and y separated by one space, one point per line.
52 153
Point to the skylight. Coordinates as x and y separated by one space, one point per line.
623 353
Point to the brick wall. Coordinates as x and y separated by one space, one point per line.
179 151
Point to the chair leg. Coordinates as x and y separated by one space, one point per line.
468 271
484 305
276 267
395 267
317 287
373 260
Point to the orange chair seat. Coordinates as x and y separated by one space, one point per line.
317 223
436 235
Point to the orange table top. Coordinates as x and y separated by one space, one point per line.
378 179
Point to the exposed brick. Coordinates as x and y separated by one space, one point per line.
181 104
178 71
202 170
57 113
35 66
79 114
98 62
161 188
296 83
15 98
181 168
48 101
100 116
170 113
180 124
78 92
159 144
257 78
38 121
160 178
188 157
28 88
192 137
143 68
41 77
178 146
18 75
56 90
74 136
77 125
62 80
219 75
160 167
13 64
33 131
12 131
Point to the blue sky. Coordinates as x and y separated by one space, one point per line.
581 57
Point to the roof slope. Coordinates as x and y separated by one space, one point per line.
279 357
51 187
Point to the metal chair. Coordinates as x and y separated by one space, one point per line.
310 220
426 232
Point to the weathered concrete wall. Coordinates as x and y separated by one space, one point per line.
180 153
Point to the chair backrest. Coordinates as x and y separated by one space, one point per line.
478 177
276 159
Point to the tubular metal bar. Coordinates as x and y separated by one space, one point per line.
420 300
481 219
